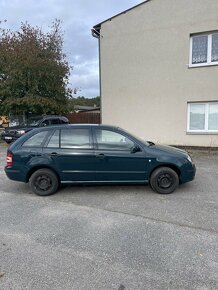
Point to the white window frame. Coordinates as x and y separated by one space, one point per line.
209 50
205 130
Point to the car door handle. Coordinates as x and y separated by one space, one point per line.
101 156
53 154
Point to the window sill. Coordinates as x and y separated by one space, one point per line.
202 133
202 64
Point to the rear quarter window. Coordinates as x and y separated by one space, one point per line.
64 121
36 140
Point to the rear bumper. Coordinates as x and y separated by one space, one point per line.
15 174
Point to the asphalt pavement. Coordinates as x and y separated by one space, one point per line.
111 237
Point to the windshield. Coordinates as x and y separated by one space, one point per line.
33 122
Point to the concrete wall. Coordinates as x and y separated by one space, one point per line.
145 78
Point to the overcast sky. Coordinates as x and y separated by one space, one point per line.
78 17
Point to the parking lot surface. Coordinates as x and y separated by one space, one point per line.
111 237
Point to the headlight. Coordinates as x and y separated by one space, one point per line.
189 158
20 132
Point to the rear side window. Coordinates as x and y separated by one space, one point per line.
75 138
54 121
36 140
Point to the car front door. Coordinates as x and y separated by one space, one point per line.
115 158
73 155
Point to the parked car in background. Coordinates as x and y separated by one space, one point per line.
14 122
12 133
87 154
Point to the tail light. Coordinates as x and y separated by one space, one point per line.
9 159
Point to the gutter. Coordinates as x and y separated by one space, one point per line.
95 33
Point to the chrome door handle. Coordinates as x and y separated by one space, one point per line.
101 156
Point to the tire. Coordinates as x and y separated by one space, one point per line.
164 180
44 182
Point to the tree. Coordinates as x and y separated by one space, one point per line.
82 101
34 72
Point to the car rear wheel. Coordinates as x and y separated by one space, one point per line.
44 182
164 180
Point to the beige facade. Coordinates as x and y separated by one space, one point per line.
146 79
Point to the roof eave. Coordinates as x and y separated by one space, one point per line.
97 27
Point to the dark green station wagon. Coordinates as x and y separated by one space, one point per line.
87 154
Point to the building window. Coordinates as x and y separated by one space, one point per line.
203 117
204 49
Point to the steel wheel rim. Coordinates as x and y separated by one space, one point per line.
43 182
165 181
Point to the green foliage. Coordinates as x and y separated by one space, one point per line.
82 101
34 72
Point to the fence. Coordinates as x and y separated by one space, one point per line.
84 118
74 118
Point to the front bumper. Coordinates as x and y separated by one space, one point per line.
188 174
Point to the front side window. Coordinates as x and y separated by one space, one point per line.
75 138
203 117
36 140
110 140
204 49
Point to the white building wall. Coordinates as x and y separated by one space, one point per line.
145 78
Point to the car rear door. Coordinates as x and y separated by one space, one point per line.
71 150
115 159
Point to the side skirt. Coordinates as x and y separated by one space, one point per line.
107 182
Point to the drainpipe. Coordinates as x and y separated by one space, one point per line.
96 34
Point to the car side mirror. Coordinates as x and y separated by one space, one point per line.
135 149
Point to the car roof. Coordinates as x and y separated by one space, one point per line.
47 116
77 126
53 116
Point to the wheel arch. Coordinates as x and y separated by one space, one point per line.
172 166
35 168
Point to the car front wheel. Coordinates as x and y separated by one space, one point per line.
44 182
164 180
